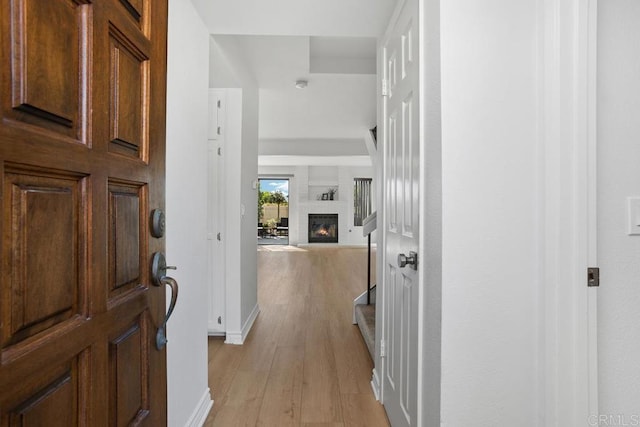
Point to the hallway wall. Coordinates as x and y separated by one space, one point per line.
618 178
490 229
186 213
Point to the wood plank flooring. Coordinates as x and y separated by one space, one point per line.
304 363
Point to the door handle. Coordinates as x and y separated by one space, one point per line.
161 335
159 276
411 260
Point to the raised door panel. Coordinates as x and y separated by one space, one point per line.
127 237
45 245
55 397
49 72
410 166
55 405
407 346
129 88
129 387
391 308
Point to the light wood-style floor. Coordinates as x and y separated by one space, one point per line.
304 363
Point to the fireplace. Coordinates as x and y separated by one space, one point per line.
323 228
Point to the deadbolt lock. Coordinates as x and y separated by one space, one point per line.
157 223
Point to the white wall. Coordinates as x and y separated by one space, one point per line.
618 178
229 70
188 48
489 177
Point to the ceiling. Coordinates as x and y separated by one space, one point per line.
329 43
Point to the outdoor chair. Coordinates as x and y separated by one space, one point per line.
283 227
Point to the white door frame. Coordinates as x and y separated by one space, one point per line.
568 392
430 269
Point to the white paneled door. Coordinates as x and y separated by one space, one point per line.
401 215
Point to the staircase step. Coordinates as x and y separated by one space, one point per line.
366 318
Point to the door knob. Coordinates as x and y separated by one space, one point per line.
159 268
411 260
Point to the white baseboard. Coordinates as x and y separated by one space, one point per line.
215 331
238 337
375 384
234 338
199 415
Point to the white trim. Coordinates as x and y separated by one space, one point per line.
430 244
201 411
216 217
238 337
378 361
375 384
234 338
567 359
592 135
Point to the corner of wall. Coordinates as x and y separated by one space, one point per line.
201 411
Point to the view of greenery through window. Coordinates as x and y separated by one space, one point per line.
273 211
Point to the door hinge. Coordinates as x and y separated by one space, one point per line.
219 130
219 237
593 277
219 320
219 104
219 151
383 348
385 89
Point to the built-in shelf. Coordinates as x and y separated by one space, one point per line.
316 191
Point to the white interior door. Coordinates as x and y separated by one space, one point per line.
401 217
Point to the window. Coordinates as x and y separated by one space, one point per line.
361 200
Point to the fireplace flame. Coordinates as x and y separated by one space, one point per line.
322 232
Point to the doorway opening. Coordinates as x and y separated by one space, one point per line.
273 211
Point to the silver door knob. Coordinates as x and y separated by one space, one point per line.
411 260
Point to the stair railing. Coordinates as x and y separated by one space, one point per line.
369 225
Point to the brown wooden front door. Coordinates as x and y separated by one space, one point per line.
82 134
